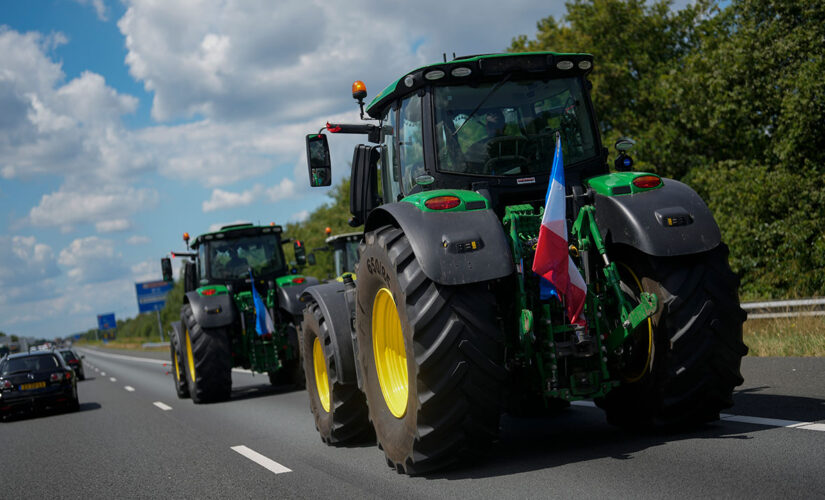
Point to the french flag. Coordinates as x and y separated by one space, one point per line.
552 260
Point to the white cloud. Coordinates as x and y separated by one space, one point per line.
138 240
299 216
91 260
98 5
24 261
113 226
67 208
221 199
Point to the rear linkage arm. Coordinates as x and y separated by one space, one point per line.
587 232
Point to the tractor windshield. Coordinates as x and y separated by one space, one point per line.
513 131
231 259
346 256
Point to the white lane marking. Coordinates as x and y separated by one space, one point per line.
102 374
261 460
129 388
773 422
97 370
149 360
744 419
113 379
162 406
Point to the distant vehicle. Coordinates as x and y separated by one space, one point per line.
36 380
74 361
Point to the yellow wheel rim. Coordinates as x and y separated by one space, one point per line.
390 356
637 377
321 378
177 368
190 359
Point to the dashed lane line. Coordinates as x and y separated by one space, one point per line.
774 422
102 374
162 406
129 388
261 460
113 379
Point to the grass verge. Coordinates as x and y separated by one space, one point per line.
800 336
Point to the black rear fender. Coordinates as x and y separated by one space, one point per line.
453 248
670 221
211 311
289 297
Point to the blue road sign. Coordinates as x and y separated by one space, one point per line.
106 321
151 295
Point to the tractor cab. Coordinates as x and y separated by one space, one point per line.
482 123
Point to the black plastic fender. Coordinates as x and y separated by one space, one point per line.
670 221
289 297
453 248
337 311
211 311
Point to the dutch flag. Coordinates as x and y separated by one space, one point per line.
552 260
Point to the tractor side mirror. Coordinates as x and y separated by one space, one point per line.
300 253
166 269
320 169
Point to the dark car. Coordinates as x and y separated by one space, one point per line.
74 361
36 380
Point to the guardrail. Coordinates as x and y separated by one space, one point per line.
785 308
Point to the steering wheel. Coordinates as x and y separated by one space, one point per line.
494 147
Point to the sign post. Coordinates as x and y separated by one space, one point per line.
151 296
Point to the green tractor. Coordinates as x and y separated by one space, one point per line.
344 248
448 327
225 322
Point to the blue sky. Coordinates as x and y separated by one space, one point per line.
124 123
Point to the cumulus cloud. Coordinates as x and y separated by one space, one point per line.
99 7
299 216
67 208
24 261
113 226
221 199
138 240
91 260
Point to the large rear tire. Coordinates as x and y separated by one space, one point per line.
697 341
178 366
431 358
339 408
208 360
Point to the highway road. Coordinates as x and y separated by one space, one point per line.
134 439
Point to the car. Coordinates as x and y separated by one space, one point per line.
36 380
74 361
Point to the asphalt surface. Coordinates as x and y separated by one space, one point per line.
134 439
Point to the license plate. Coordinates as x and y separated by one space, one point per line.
33 385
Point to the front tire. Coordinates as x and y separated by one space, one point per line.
697 342
208 359
339 408
431 358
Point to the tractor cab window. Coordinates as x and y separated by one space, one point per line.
390 164
232 259
410 142
501 129
202 261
